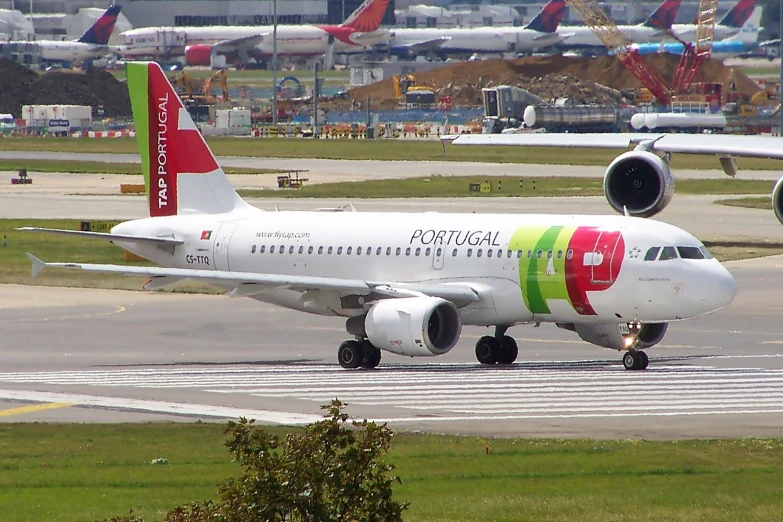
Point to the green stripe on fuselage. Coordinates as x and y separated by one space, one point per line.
138 88
542 279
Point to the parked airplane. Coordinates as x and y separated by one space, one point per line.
405 282
539 33
200 45
729 25
654 29
92 44
742 43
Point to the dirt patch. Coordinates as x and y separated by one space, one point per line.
546 77
21 86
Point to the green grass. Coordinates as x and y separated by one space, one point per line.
382 150
96 471
458 186
763 202
100 167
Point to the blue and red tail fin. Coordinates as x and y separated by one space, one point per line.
664 16
547 20
101 30
367 17
739 14
181 174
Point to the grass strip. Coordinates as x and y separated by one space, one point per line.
531 186
763 202
96 471
381 150
100 167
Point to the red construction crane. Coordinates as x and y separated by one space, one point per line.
699 51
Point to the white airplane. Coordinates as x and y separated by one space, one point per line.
653 29
731 24
200 45
92 44
539 33
405 283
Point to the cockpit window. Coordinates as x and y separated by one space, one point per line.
687 252
707 253
652 253
668 253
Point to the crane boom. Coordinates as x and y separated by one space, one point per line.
610 35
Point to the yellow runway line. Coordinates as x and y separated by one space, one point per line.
34 408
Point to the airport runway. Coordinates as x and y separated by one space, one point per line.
92 355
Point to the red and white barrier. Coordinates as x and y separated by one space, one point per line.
104 134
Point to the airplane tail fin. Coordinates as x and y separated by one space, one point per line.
739 14
547 20
181 174
368 16
101 30
663 17
749 34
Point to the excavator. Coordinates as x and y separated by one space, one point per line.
196 91
406 84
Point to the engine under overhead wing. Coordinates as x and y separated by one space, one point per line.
725 146
248 283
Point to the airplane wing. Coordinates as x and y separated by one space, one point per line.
718 144
240 44
248 283
426 45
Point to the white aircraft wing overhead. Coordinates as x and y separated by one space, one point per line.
718 144
248 283
427 45
239 44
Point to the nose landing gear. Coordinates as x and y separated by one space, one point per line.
497 349
635 360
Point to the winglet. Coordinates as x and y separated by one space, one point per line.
38 265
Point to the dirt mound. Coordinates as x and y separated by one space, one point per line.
464 81
20 86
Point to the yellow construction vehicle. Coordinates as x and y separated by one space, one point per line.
200 91
182 81
223 76
407 83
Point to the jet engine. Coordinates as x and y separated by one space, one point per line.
640 182
415 326
777 200
198 54
620 336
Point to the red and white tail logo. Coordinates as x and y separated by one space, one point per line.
367 17
184 176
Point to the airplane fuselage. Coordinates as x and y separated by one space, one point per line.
65 51
549 268
471 40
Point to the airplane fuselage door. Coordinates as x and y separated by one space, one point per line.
600 259
438 253
220 247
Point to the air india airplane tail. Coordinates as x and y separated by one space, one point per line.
181 174
101 30
367 17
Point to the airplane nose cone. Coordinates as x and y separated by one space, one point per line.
722 288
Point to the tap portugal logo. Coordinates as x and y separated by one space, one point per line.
550 273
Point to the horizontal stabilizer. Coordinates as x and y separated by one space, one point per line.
162 241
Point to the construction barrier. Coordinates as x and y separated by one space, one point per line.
104 134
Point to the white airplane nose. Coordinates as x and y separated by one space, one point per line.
721 288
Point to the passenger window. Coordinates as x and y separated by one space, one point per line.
549 254
418 251
408 251
668 253
320 250
500 253
569 254
397 252
291 249
560 254
262 249
470 252
329 251
687 252
272 249
427 252
454 253
479 252
358 251
378 251
539 254
309 250
340 250
438 252
652 253
509 254
707 253
489 252
348 251
253 249
301 249
388 251
519 254
282 249
529 254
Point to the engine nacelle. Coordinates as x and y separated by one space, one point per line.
777 200
416 326
198 54
619 336
639 181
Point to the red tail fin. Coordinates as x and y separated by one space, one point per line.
368 16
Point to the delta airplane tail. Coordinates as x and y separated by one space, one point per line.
181 175
739 14
548 19
663 17
101 30
367 17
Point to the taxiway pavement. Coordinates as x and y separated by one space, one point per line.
96 355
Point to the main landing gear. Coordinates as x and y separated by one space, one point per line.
500 349
635 360
353 354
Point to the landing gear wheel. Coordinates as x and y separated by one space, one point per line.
634 360
487 350
350 354
508 350
371 355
